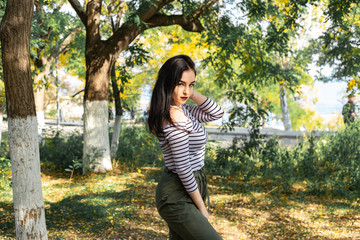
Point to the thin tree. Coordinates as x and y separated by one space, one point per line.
50 43
15 30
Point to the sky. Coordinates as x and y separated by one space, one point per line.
330 97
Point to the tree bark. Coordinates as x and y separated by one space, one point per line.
285 109
28 200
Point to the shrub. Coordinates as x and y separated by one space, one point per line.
137 147
327 165
61 149
5 163
265 162
5 168
336 167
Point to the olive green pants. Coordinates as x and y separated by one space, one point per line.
176 207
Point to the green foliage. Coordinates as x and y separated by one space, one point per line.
266 162
62 150
256 53
5 163
137 147
338 47
50 27
126 90
338 163
76 165
323 164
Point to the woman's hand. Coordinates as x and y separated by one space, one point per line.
205 213
197 98
196 197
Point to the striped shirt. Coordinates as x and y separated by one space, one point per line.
184 146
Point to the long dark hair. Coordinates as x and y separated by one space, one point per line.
168 77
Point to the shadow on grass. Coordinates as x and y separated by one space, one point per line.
109 214
269 205
7 224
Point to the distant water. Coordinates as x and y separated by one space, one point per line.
326 109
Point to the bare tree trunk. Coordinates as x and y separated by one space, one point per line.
28 200
285 109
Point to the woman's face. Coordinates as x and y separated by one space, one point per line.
184 89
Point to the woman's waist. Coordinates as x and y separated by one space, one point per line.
181 168
195 170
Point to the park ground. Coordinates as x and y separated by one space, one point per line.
120 205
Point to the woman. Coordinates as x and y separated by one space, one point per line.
182 189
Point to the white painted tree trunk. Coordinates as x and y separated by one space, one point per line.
285 109
40 115
41 119
39 101
26 177
115 136
96 137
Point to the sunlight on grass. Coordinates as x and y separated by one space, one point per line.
119 205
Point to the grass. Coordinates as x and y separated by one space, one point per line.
120 205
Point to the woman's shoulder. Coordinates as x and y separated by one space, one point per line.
179 119
177 114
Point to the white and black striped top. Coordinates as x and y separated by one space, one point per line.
184 146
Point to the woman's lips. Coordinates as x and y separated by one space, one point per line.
184 98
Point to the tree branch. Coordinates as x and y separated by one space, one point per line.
118 8
62 47
203 7
125 34
155 7
120 12
79 10
93 13
74 95
188 23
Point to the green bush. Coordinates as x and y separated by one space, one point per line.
327 165
266 162
5 169
336 162
5 163
137 147
62 149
